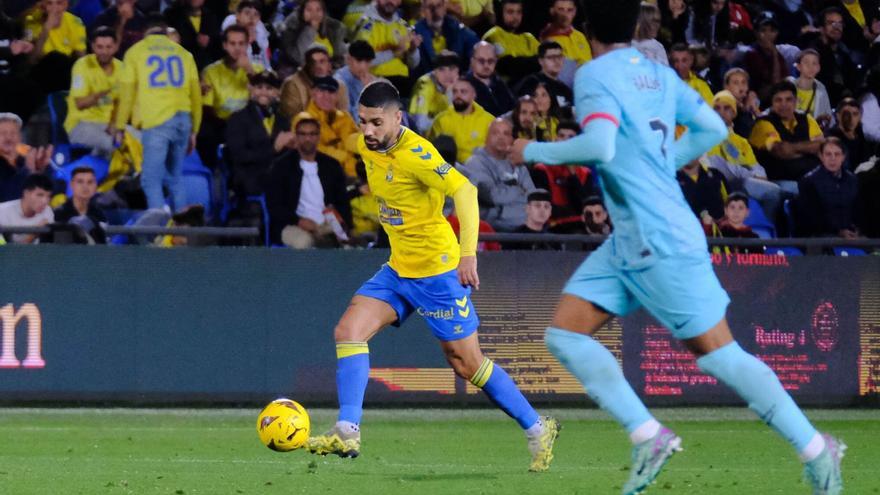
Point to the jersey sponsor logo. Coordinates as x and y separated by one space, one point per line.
443 170
389 215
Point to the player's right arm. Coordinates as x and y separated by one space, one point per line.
599 115
705 129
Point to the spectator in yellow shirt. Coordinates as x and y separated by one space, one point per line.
429 96
575 46
682 60
396 46
53 29
517 50
338 130
475 14
161 78
466 121
224 90
94 89
786 141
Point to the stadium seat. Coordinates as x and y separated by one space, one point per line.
261 200
785 251
197 180
788 209
64 151
759 222
87 11
848 251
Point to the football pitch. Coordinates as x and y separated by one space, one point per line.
407 451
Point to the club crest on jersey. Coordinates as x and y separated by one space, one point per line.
442 170
389 175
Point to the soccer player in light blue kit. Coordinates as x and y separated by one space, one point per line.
657 257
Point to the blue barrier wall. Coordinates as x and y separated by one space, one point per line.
139 324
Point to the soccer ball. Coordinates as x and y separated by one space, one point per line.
283 425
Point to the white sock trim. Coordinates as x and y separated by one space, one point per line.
347 427
645 431
536 429
813 449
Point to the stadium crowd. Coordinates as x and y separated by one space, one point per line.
262 129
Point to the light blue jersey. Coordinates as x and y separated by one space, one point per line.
657 256
645 99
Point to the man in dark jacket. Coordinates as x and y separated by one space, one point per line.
829 197
306 197
255 135
492 93
199 30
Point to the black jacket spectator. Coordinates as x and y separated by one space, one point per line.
495 98
839 72
787 169
12 178
65 212
178 18
283 188
704 193
249 149
858 150
827 203
561 93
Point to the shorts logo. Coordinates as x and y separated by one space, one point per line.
457 329
437 314
464 310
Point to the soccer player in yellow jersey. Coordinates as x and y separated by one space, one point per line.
94 89
429 273
429 93
53 29
160 76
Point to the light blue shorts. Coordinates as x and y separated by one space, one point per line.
681 291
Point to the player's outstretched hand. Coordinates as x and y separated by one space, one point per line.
467 272
517 151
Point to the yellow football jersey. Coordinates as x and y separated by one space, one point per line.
162 76
468 131
228 89
509 44
574 46
88 78
383 35
410 181
735 149
428 98
68 37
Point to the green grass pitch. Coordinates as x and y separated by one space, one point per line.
412 451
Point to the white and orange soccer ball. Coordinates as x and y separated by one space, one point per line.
283 425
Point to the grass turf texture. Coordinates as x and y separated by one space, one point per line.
424 451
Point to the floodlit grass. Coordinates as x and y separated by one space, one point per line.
413 451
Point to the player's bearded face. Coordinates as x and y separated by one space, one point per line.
381 126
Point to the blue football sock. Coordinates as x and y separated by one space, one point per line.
755 382
504 393
597 370
352 374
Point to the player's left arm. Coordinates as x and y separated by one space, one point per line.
705 129
599 115
430 169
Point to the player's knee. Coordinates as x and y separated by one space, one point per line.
345 331
463 366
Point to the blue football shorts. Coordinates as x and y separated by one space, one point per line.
680 291
441 300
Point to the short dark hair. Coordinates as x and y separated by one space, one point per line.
823 15
570 125
832 140
235 28
505 2
249 3
38 181
804 53
81 170
547 45
612 21
361 50
102 32
447 58
380 94
781 87
737 196
593 201
847 102
679 47
156 21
